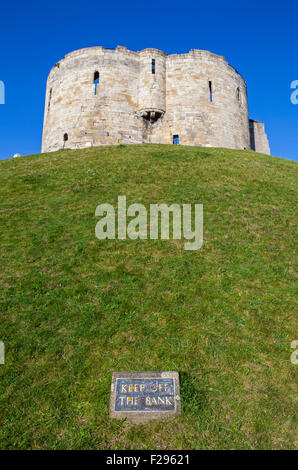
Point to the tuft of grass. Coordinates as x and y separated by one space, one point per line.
74 309
193 395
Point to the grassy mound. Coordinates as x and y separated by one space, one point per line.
74 308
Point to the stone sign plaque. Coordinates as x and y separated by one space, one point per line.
142 396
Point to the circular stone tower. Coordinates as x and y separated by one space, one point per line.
98 96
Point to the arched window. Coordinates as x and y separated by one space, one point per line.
96 80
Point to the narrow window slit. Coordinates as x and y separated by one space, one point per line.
153 66
50 97
210 91
238 95
96 81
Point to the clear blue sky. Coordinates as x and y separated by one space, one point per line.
259 38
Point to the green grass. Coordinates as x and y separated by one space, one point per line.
74 308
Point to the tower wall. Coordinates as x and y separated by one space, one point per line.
191 81
73 108
152 86
134 105
258 138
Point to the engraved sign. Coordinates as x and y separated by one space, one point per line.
141 396
145 395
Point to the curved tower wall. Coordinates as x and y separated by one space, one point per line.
107 117
133 105
152 86
192 79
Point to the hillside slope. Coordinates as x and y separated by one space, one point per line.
74 308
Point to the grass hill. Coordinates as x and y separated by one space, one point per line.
74 308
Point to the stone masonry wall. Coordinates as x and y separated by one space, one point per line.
136 102
258 138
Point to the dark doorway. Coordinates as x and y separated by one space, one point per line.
65 139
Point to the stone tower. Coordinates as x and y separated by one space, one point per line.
98 96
